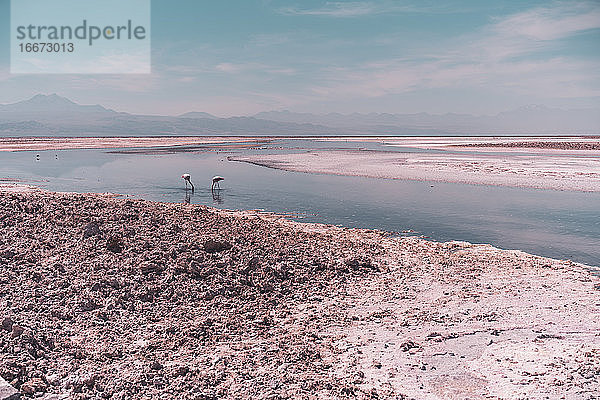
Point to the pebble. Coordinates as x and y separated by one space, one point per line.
216 246
91 229
7 324
17 331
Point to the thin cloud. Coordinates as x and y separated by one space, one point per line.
533 31
133 83
265 40
230 67
335 9
550 23
516 54
559 78
233 68
341 9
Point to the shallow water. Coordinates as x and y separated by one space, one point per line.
544 222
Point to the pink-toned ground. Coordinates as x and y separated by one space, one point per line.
544 171
557 145
535 144
490 324
67 143
113 298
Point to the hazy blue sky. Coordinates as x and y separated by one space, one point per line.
241 57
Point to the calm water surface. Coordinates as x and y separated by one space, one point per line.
545 222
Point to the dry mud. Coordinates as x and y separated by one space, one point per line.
103 297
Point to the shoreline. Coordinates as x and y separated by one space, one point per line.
571 144
153 142
541 171
542 162
120 297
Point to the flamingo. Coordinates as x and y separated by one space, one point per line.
187 179
215 181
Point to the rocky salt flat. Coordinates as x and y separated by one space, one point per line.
102 297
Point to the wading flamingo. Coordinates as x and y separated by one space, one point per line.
187 179
215 181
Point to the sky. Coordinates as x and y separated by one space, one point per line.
242 57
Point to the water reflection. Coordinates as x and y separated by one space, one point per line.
216 196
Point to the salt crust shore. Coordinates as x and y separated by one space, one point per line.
561 163
103 297
69 143
533 144
529 144
542 171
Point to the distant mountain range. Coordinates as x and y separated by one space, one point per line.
53 115
524 120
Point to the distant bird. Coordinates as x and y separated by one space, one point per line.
187 179
215 181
